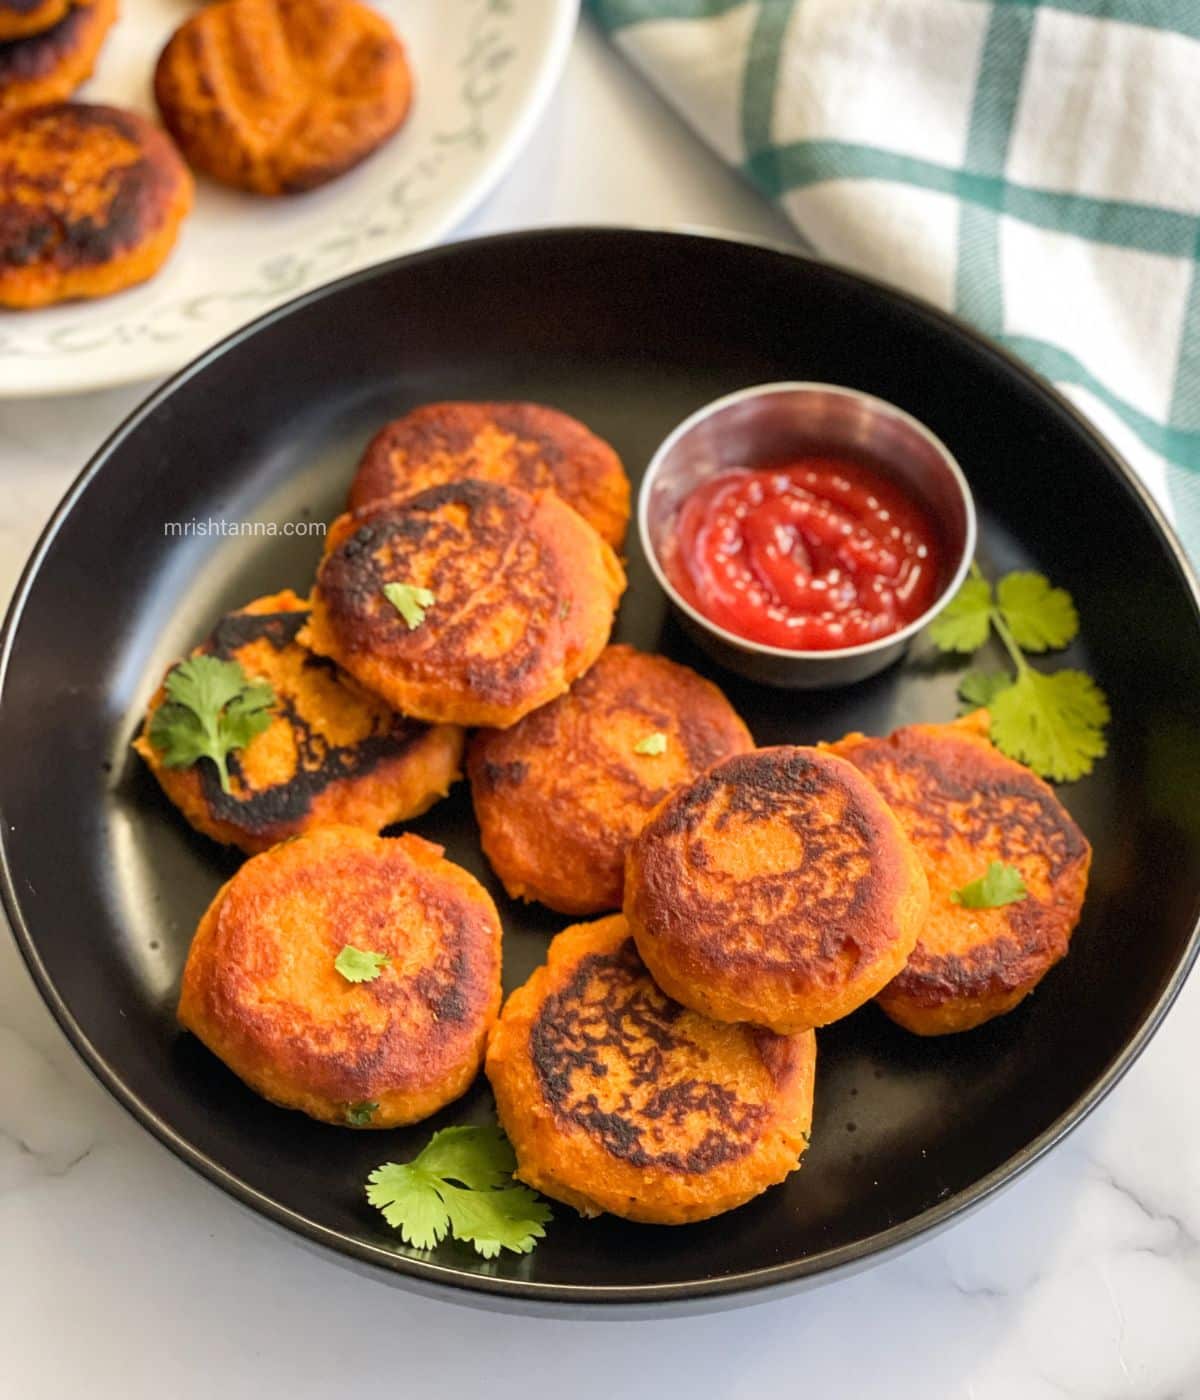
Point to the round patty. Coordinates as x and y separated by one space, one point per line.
560 795
519 599
262 991
523 444
48 66
618 1099
278 96
333 752
964 805
19 18
778 889
91 199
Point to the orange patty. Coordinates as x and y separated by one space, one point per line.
278 96
523 444
963 805
778 889
262 991
48 66
560 796
523 592
19 18
618 1099
91 199
333 753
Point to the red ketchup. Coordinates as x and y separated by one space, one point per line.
812 555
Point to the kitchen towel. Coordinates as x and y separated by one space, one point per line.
1032 165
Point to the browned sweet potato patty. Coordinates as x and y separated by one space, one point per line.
524 444
778 888
262 991
560 795
618 1099
963 805
521 594
334 753
49 65
91 200
278 96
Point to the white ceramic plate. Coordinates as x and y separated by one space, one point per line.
483 70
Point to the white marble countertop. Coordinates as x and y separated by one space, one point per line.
124 1275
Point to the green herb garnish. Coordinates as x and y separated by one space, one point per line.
652 744
211 708
460 1184
409 601
1052 721
359 965
358 1115
1001 885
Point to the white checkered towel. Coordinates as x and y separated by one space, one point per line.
1033 165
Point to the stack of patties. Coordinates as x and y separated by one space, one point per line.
351 976
91 197
660 1066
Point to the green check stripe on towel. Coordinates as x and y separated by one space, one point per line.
1033 165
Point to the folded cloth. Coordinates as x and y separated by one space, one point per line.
1033 165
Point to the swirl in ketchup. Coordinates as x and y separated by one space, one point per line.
811 555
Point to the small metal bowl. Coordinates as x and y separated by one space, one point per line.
770 423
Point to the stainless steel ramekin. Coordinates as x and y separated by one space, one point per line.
771 423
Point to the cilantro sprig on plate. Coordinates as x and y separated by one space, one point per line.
211 709
1051 720
460 1184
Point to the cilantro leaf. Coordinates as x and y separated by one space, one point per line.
411 1202
211 708
481 1158
652 744
409 601
1053 722
1002 884
1039 617
511 1218
358 1115
360 965
964 622
460 1184
979 688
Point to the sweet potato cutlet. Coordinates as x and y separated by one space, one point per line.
778 889
963 805
262 991
49 65
519 595
523 444
618 1099
333 752
91 200
279 96
560 796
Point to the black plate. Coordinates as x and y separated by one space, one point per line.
630 331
